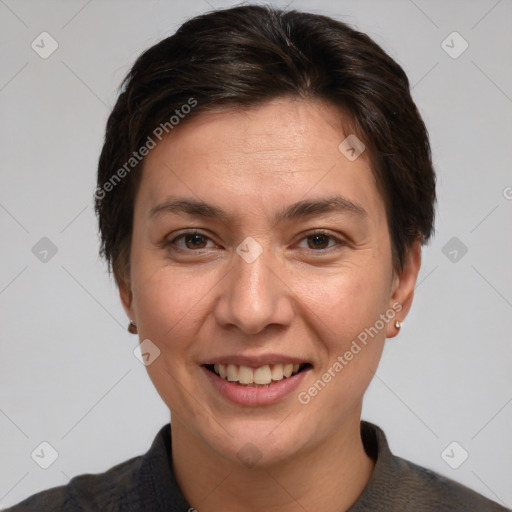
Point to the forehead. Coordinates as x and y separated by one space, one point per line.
259 159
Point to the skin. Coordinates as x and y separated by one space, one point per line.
294 299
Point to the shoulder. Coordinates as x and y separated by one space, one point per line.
422 489
145 482
397 484
87 492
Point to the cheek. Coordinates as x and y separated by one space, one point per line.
350 349
346 301
167 305
350 334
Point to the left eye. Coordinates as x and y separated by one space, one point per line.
320 241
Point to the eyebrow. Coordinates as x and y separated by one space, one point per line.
295 211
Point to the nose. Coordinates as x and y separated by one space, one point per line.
254 295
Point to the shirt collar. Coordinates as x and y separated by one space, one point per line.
382 484
159 489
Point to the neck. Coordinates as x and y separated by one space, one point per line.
329 477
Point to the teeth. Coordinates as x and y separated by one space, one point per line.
262 376
232 372
245 375
277 372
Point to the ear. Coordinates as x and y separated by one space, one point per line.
402 289
125 293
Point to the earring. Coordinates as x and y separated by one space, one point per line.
398 324
132 328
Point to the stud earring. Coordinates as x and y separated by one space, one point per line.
132 328
398 324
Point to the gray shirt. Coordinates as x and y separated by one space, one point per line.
147 483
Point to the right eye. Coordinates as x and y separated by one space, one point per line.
188 241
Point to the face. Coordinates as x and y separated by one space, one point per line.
260 249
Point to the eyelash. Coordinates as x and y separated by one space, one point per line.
171 244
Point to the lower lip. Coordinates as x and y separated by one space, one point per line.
254 396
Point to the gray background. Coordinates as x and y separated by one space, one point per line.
68 375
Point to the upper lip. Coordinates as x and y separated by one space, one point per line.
255 361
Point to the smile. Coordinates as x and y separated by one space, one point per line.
262 376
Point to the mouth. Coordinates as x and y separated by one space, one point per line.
263 376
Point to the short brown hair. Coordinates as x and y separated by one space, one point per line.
247 55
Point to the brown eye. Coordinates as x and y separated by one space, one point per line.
318 241
321 241
189 241
194 241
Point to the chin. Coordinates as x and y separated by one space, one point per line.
259 444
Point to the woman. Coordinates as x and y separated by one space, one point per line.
264 190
